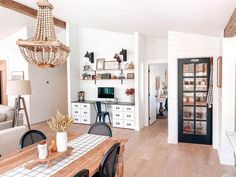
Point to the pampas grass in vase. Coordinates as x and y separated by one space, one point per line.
61 123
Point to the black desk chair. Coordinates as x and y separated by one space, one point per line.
31 137
82 173
101 114
100 128
109 163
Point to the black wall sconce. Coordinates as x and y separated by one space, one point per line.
124 53
90 56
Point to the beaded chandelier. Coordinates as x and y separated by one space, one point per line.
44 50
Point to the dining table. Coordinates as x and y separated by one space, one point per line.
88 152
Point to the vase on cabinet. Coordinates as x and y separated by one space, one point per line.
61 141
132 98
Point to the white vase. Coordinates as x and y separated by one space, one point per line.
61 141
132 98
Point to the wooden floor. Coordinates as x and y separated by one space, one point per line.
148 154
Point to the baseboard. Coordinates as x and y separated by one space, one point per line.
172 140
226 160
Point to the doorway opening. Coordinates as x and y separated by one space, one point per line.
158 92
3 82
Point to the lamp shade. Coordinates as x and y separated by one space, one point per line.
18 87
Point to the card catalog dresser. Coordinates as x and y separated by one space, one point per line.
122 113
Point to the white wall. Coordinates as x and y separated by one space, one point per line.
139 81
155 48
49 88
73 64
182 45
104 44
228 100
10 52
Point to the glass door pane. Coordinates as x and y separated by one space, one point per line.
188 98
188 84
188 113
201 128
188 127
201 99
188 70
201 84
201 69
201 113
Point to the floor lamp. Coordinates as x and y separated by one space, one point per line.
18 88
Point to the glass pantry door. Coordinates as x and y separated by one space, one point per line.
194 116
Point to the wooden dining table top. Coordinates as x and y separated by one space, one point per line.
90 160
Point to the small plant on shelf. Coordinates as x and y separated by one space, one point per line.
130 91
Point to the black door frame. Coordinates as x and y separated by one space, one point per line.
188 138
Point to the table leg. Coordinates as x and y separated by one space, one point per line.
120 168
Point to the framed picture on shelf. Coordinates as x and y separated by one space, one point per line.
111 65
17 75
219 72
100 63
130 75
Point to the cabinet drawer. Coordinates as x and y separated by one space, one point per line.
85 120
76 119
75 111
75 105
129 124
128 116
85 112
129 108
118 115
118 123
84 106
117 108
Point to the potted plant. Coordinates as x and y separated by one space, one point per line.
61 123
130 92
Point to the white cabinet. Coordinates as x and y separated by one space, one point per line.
123 116
83 113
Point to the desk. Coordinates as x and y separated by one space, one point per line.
122 113
90 160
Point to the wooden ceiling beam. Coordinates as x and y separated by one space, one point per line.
230 29
21 8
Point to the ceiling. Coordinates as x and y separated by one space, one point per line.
11 22
150 17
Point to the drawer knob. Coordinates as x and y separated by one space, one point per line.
117 114
117 123
129 124
85 120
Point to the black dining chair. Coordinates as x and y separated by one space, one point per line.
109 163
82 173
100 128
101 114
31 137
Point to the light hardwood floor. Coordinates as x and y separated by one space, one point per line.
148 154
